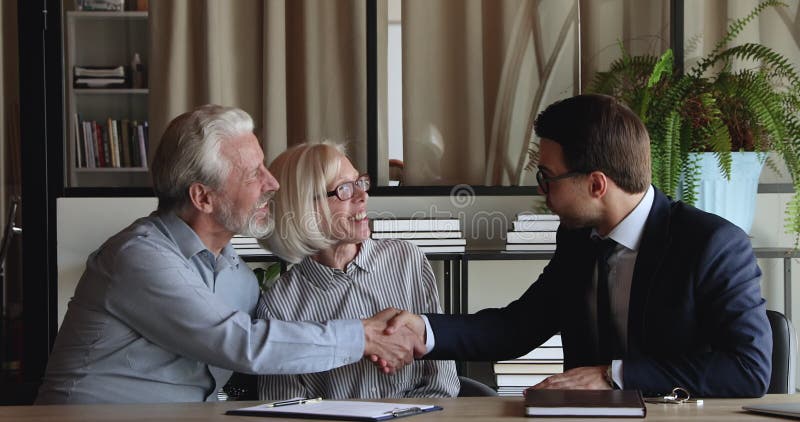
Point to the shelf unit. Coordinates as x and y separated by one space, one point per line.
98 38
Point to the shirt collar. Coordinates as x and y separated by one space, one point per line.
365 256
188 241
321 274
628 232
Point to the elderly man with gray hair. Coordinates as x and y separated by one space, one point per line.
164 310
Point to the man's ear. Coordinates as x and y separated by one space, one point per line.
598 184
201 197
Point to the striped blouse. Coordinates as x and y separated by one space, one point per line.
384 273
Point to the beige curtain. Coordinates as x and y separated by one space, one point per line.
477 72
777 28
642 26
474 72
298 67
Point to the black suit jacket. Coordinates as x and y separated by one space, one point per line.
696 318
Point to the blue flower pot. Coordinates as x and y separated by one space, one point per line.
734 199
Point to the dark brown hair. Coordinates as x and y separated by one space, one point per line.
598 133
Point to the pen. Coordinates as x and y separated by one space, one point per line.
294 401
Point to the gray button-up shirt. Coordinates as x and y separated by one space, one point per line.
157 317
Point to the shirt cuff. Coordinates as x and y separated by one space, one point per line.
429 340
616 373
349 334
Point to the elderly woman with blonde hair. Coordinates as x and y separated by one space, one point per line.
321 227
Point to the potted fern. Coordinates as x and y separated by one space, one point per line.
714 109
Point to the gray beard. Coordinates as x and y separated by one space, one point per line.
252 224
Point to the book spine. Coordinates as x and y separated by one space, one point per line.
111 142
416 225
520 380
528 368
532 247
134 143
442 249
442 242
101 151
117 143
546 353
535 225
531 237
88 140
240 240
142 150
126 146
79 147
416 235
531 216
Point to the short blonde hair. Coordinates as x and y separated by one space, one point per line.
304 172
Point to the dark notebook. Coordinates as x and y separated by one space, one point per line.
580 403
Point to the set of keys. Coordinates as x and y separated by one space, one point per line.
678 396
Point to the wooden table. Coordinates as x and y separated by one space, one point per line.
456 409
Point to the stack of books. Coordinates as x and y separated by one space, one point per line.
248 246
514 376
533 232
118 143
100 77
112 5
432 235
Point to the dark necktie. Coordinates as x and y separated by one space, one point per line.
606 334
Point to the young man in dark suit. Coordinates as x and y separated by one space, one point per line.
647 293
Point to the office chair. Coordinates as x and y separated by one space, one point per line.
244 387
784 354
473 388
240 387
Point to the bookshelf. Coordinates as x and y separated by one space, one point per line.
106 39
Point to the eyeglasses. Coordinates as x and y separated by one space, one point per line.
346 190
544 181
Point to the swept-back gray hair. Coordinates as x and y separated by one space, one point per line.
189 152
304 172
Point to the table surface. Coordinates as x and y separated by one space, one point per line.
455 409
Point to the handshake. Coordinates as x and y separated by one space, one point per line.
393 338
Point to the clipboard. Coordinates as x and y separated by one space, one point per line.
343 410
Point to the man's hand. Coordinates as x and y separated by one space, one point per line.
582 378
390 352
410 320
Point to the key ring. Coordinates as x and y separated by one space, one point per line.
679 395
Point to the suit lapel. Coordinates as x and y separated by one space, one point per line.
652 249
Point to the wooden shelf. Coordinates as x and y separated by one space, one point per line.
111 91
101 14
111 170
104 38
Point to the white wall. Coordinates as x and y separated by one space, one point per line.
83 224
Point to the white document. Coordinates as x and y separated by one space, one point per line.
339 409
